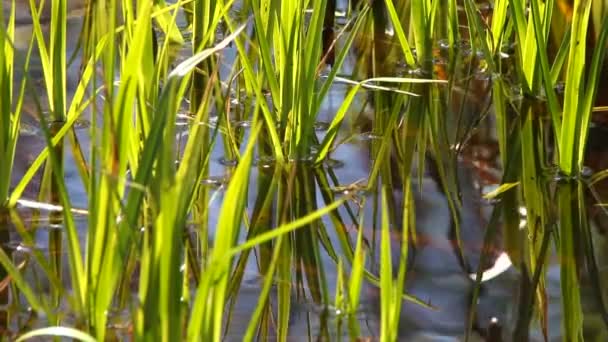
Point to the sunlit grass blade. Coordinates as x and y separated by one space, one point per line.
499 19
401 35
560 57
573 111
9 120
356 281
252 80
387 286
166 22
590 92
264 301
286 228
332 132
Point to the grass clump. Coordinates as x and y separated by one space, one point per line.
252 78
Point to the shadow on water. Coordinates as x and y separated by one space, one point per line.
437 274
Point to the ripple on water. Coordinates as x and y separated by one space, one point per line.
321 126
264 162
215 181
228 162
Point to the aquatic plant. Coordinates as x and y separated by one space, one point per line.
253 78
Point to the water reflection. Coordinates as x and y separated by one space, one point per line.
435 274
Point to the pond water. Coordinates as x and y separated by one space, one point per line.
435 274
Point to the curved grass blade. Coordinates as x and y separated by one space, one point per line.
57 332
332 132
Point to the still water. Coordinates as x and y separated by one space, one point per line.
435 275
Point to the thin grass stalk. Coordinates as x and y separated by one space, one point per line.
284 289
337 220
9 120
408 222
263 302
261 220
340 295
356 280
206 16
306 245
387 290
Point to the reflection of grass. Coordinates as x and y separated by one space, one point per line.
149 248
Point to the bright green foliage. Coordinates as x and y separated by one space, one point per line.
149 247
10 112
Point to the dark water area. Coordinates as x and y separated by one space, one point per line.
435 274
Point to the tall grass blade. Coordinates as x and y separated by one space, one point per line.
573 114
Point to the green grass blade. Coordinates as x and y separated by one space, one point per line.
207 313
405 46
9 120
332 132
593 78
568 146
387 290
269 279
